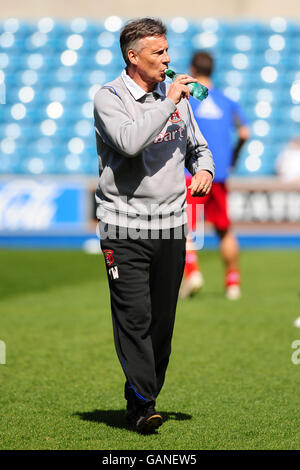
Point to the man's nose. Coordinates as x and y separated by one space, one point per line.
166 58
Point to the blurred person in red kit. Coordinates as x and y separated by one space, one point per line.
216 116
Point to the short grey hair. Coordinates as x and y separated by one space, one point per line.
137 29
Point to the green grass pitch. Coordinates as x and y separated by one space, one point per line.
230 384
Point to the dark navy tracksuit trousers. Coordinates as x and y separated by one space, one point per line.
144 279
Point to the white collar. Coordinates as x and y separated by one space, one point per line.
136 91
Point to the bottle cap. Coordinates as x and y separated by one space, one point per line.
170 73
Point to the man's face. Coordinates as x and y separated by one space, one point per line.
151 58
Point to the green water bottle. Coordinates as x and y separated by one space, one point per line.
198 91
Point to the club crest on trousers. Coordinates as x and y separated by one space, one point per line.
109 258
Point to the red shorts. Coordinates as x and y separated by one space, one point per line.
215 207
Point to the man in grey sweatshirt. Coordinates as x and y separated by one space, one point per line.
146 135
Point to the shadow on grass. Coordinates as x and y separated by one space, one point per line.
116 418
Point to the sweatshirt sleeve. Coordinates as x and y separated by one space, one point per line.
127 136
198 156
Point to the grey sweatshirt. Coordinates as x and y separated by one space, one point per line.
144 141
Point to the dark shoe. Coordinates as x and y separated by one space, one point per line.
149 421
139 415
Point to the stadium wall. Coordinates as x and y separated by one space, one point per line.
60 212
169 8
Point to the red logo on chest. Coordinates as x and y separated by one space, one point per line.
175 117
108 255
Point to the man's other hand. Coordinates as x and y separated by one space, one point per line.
201 183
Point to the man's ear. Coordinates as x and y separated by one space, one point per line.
132 56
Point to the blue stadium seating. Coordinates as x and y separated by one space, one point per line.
64 63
